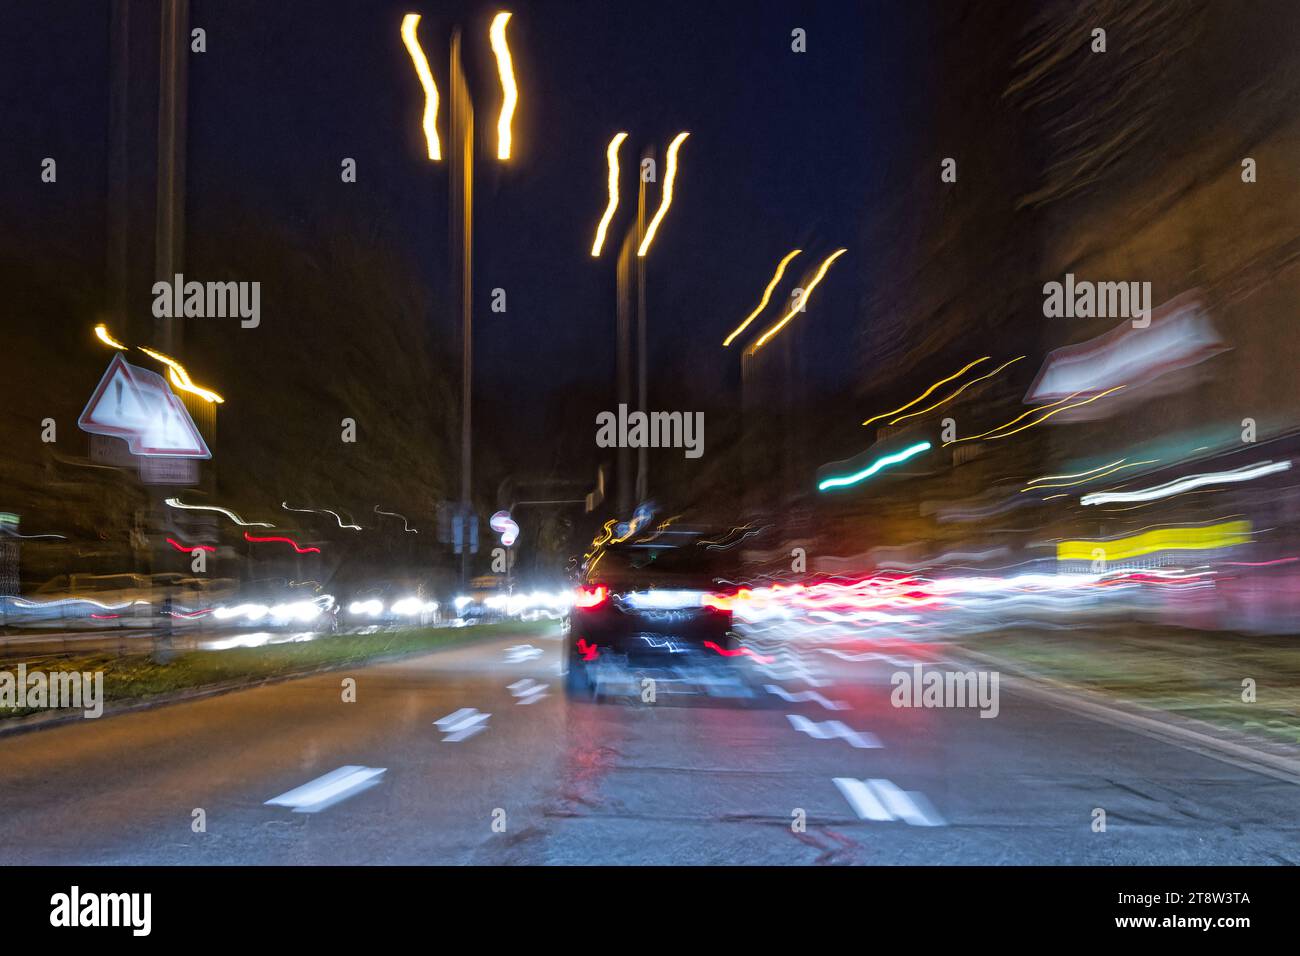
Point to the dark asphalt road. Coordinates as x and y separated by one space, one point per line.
690 779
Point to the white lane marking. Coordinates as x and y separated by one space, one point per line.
910 806
527 690
462 724
863 801
882 800
455 717
522 652
831 729
804 696
337 785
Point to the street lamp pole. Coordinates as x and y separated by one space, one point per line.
461 162
642 455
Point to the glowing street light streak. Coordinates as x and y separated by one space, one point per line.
281 540
611 159
1147 504
927 392
181 378
603 536
803 302
1065 408
101 333
314 511
406 525
412 42
1245 473
843 481
510 93
1119 466
1077 474
942 401
670 175
994 432
1023 415
767 295
177 503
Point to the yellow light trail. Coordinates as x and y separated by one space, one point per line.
803 302
927 392
1066 408
993 432
942 401
611 160
101 332
1077 474
181 378
1091 477
510 92
412 42
602 538
767 295
670 174
1224 535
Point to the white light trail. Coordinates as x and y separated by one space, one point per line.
1178 486
177 503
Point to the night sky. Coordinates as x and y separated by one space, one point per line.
785 149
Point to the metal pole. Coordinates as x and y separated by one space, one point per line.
642 455
746 424
623 306
169 211
118 166
461 158
169 232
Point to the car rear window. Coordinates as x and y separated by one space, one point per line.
653 565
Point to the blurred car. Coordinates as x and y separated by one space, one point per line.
660 601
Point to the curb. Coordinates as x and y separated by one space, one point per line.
1192 734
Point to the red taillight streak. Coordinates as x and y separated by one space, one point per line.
194 547
589 652
192 614
289 541
591 597
737 652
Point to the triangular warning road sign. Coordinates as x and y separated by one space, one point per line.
137 404
116 407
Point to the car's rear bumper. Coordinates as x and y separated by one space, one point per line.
650 635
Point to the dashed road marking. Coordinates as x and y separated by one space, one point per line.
883 800
831 729
804 696
527 690
337 785
462 724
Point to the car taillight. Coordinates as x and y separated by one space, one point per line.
591 597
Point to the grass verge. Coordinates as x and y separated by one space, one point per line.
1183 672
143 676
